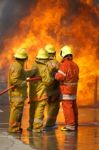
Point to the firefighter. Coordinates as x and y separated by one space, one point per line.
52 90
68 75
38 92
17 95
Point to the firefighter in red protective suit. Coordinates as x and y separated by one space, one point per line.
68 75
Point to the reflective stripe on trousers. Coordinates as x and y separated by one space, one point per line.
68 97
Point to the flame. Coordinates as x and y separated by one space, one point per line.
61 22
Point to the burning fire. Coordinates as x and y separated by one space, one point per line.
61 22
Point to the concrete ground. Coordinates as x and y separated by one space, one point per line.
87 136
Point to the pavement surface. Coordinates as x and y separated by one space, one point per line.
87 136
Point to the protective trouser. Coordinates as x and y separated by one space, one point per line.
70 112
52 110
16 111
36 114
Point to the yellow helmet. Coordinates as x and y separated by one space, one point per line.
42 54
66 50
50 48
21 54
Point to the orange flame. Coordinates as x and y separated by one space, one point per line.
56 22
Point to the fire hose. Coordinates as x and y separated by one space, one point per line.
12 87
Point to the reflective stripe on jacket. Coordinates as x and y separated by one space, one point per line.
68 83
68 75
67 97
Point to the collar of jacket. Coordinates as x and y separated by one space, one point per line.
41 61
21 62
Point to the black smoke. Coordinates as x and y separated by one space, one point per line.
11 12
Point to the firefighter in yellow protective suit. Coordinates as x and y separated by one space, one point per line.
38 92
17 78
52 90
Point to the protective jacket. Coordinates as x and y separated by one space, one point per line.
68 77
17 77
38 90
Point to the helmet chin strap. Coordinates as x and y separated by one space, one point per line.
26 65
61 53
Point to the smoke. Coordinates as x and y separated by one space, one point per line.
11 12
